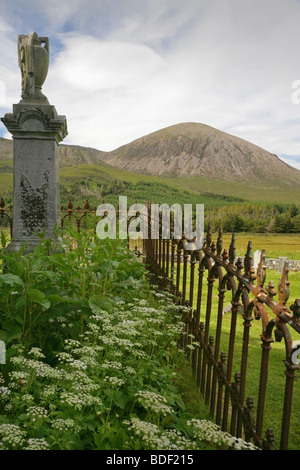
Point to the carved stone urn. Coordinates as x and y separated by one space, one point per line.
34 64
41 65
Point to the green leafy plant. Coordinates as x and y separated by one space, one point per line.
92 353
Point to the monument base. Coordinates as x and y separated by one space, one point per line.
37 131
28 244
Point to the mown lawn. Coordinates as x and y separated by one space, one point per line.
275 244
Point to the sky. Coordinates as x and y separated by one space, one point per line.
121 69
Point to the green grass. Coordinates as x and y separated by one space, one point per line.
255 205
6 183
198 188
133 185
256 191
275 244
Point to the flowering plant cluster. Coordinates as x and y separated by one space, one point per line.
107 382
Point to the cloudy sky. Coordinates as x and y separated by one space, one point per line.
121 69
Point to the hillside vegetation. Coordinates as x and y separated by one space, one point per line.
243 187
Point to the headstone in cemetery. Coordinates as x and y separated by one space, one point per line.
281 262
36 129
2 352
256 259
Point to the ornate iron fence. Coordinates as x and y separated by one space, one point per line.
174 267
6 214
70 215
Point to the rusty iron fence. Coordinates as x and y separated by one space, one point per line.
221 372
223 388
76 215
70 215
6 214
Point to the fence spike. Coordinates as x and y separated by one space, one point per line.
232 250
295 308
261 269
239 265
225 255
220 242
208 236
271 290
284 285
248 262
270 439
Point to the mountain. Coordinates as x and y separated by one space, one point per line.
186 149
200 150
69 155
189 159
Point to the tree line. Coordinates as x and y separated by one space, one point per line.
259 218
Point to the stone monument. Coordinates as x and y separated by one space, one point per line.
256 259
36 129
281 263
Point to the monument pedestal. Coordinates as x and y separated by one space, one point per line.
37 130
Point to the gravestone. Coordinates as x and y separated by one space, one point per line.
36 129
256 259
281 262
2 352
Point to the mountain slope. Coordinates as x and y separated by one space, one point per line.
190 158
69 155
200 150
187 149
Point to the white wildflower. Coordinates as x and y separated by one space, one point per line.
153 402
78 402
115 381
149 434
208 431
72 344
129 370
11 435
37 412
4 393
78 364
111 365
36 353
37 444
26 398
18 378
63 425
65 357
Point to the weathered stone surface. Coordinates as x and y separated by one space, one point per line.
274 264
37 130
34 63
281 263
256 258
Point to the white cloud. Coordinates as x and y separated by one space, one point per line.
125 68
89 65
